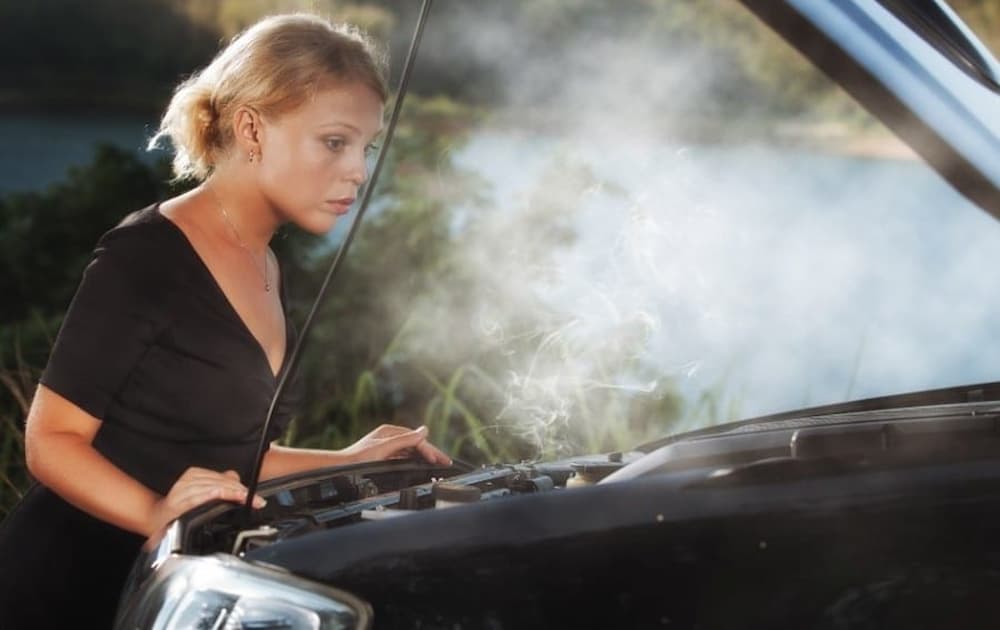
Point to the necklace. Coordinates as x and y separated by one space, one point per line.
239 239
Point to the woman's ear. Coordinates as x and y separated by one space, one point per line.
246 130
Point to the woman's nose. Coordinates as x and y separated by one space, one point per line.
358 172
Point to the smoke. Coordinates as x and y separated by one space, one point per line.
620 254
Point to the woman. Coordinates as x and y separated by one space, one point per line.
160 378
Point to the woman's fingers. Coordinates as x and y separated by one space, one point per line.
229 478
386 447
433 454
197 486
198 495
405 441
188 496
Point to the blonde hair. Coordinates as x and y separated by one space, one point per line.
273 67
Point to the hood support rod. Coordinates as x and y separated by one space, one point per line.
365 199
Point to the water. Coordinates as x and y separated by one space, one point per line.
37 150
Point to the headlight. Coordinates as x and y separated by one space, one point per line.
222 592
149 560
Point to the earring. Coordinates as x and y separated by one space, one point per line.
252 154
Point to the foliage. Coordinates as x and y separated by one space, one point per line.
17 384
49 235
229 17
100 53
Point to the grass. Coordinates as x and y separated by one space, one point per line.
18 384
12 482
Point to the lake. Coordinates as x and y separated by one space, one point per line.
36 150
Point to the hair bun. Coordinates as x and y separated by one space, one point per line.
207 117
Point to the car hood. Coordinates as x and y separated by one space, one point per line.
320 509
851 411
810 464
917 67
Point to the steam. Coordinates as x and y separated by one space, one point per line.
618 255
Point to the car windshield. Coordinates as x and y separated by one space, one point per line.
639 222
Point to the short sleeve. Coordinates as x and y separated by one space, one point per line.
114 317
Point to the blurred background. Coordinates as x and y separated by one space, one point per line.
600 222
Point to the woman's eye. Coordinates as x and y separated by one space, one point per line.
335 144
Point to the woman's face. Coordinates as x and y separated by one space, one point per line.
312 161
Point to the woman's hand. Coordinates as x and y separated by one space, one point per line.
394 442
386 442
195 487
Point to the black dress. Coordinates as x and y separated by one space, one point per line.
152 347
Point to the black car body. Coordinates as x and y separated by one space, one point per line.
873 514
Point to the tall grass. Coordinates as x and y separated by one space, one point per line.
18 385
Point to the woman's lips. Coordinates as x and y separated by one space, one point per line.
341 206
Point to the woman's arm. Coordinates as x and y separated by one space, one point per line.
284 460
60 456
385 442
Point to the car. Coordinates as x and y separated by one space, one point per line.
875 513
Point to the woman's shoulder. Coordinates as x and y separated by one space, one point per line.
144 235
141 228
142 247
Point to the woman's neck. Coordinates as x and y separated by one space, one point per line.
242 211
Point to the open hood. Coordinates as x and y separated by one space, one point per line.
918 68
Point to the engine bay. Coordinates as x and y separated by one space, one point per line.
351 495
753 454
